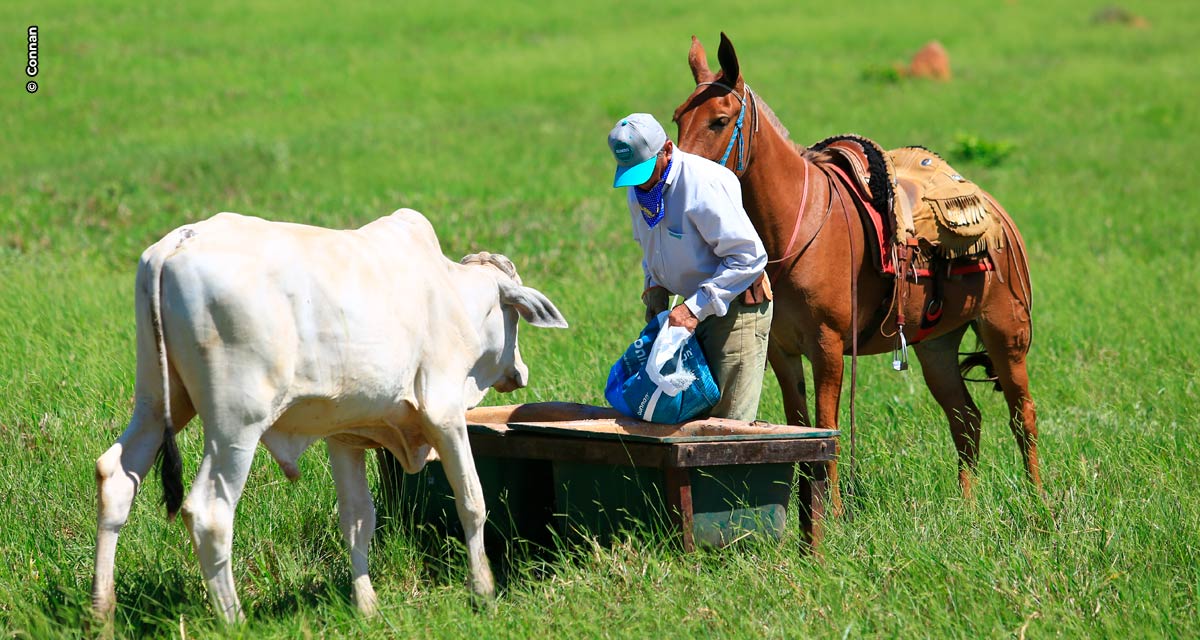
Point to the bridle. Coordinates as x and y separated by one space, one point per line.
739 137
744 143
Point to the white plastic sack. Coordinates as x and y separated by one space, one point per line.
668 345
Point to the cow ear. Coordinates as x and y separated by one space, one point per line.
698 61
532 305
729 62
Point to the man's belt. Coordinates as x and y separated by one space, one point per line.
758 292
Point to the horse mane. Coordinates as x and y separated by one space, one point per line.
769 113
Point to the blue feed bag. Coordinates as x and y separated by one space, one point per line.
631 391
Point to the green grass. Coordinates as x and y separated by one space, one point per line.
490 119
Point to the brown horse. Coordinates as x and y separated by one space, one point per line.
830 300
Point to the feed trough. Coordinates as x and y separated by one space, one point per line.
580 470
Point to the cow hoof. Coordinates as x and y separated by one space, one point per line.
101 624
483 603
102 610
368 604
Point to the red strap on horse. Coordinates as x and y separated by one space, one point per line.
795 228
929 319
900 354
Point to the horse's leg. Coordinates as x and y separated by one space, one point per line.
1007 345
789 370
825 354
939 364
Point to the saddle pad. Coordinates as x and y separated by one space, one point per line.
868 164
949 213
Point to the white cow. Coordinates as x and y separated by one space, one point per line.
284 333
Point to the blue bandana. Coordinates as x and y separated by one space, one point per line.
651 201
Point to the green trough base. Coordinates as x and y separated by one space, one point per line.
728 502
531 499
519 495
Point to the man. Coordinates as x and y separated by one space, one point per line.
697 242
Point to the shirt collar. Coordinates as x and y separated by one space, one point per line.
677 160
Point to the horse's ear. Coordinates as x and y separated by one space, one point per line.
729 62
698 61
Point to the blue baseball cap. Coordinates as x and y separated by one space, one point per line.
635 142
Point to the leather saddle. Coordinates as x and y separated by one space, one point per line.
916 198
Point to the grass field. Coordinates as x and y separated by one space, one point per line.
491 120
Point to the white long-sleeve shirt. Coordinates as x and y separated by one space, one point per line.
704 248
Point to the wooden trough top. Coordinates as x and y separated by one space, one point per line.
585 421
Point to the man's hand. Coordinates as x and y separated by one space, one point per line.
656 300
682 316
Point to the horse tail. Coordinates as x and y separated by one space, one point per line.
979 359
170 464
1021 286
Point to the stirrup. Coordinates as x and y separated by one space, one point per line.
900 353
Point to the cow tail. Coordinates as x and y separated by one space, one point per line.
170 465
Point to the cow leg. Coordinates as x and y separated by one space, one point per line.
789 370
449 436
939 365
356 513
209 509
825 354
119 475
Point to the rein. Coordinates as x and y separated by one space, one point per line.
832 190
851 479
787 252
738 137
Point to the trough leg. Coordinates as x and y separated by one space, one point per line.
812 492
679 502
356 513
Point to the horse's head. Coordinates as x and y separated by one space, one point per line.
717 119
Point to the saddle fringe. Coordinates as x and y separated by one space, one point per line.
960 212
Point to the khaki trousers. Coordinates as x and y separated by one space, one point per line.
735 345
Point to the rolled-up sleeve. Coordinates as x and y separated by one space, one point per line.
724 225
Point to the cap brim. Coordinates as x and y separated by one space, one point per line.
635 175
